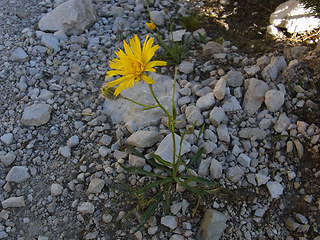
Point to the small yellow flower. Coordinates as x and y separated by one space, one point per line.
133 63
151 25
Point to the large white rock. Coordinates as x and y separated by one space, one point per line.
293 16
72 16
212 225
123 111
165 149
36 114
144 138
17 174
254 95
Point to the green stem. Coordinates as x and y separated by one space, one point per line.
159 104
141 104
173 122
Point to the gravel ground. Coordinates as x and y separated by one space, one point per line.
61 141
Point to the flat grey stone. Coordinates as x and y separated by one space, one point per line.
194 115
215 169
96 186
136 161
254 95
234 78
212 48
169 221
186 67
217 115
282 123
204 167
7 138
220 89
65 151
19 55
86 208
206 102
50 42
271 71
223 133
45 94
105 140
73 141
275 189
248 133
72 16
165 149
234 174
231 104
36 114
177 36
56 189
274 99
157 18
212 225
262 179
8 158
13 202
244 160
144 138
17 174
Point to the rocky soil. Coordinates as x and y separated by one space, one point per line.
62 142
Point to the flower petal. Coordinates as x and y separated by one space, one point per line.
147 79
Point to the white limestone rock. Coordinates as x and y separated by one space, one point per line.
36 114
234 78
72 16
275 189
18 174
194 116
19 55
271 71
165 149
217 115
157 17
96 186
206 102
235 173
220 88
274 99
13 202
50 42
56 189
293 16
169 221
223 133
212 225
7 138
144 138
254 95
282 124
215 169
186 67
86 208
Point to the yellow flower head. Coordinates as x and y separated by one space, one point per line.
133 63
151 25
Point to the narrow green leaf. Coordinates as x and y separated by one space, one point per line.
161 160
201 131
206 182
196 190
167 201
157 165
197 156
152 207
137 153
153 184
139 171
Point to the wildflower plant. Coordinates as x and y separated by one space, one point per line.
132 66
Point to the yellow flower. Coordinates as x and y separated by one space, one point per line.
133 63
151 25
